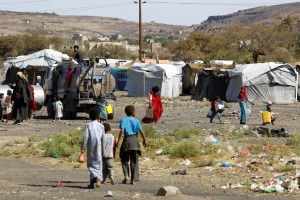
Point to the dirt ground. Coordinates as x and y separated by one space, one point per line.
35 177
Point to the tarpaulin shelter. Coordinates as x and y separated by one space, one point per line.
211 83
265 82
39 63
189 72
142 77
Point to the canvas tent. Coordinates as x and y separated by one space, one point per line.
142 77
264 81
37 64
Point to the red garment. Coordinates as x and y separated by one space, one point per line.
31 103
157 106
213 104
69 74
243 94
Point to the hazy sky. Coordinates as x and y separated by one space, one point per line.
181 12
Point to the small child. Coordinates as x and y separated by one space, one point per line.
58 107
108 154
1 106
268 108
8 105
214 111
130 149
93 141
101 103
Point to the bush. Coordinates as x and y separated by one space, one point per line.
65 145
187 132
184 149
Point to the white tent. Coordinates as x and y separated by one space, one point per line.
142 77
46 57
264 81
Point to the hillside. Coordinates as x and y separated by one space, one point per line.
66 26
264 14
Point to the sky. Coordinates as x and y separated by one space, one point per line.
178 12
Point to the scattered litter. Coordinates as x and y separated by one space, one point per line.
78 128
231 186
54 155
245 152
180 172
185 162
58 184
158 152
225 164
109 194
212 139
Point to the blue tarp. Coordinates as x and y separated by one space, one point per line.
120 76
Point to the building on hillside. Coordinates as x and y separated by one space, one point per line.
155 46
95 45
79 39
116 37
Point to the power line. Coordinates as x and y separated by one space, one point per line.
89 7
210 4
22 2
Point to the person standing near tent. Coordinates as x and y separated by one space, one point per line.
78 56
243 99
21 96
155 102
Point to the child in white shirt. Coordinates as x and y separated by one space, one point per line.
58 107
108 154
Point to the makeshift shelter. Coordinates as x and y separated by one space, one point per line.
36 64
142 77
211 83
265 82
189 72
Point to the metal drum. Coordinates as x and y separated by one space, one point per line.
39 96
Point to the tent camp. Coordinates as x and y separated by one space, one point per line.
264 81
38 63
142 77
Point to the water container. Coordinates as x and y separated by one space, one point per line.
266 117
149 112
109 109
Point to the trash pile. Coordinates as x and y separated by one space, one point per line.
279 184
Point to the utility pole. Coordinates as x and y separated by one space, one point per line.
140 29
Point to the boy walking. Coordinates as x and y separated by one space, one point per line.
93 140
214 111
130 148
108 154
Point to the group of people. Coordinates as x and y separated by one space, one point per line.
243 100
100 145
19 104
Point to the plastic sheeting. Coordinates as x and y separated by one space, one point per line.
264 81
46 57
142 77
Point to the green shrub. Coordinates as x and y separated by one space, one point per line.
186 132
65 145
183 149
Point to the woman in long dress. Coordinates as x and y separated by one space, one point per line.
155 102
243 99
21 96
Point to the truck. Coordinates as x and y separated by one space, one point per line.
77 86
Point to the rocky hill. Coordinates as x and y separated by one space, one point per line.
264 14
66 26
